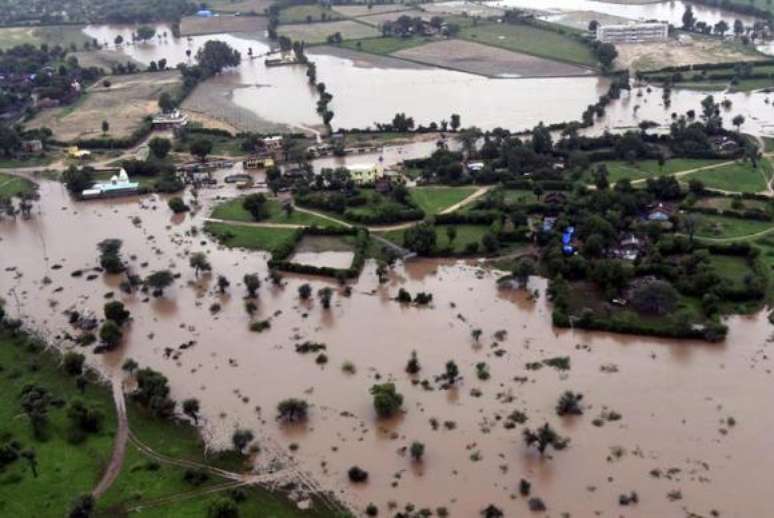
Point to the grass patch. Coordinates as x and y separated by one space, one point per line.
316 33
251 238
531 40
731 269
736 177
232 210
436 199
384 46
64 35
622 170
466 234
308 14
35 161
11 186
719 227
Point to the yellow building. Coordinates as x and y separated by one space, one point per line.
74 152
365 174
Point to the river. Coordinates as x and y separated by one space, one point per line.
675 397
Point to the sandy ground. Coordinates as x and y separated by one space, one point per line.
652 56
379 19
356 11
580 19
246 6
211 104
318 32
489 61
194 25
129 99
364 60
104 59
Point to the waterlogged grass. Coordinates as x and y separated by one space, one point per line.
436 199
466 234
308 14
232 210
731 269
11 186
736 177
531 40
251 238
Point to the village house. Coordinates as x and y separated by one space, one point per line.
172 120
660 213
365 174
32 146
118 185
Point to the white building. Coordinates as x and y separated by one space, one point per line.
119 185
633 33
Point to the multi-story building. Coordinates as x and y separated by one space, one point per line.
633 33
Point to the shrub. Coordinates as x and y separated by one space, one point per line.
357 475
387 401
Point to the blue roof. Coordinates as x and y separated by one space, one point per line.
204 12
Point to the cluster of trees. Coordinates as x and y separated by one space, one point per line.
740 30
87 11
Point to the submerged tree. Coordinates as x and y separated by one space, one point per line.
387 400
292 410
544 437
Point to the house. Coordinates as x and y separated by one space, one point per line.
171 120
389 180
118 185
32 146
474 167
365 174
548 224
204 13
255 162
555 198
271 147
660 213
567 238
75 152
629 247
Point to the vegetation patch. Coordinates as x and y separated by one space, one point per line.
737 177
15 186
436 199
248 237
233 210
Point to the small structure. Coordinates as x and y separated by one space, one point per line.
170 120
204 13
629 247
365 174
567 237
119 185
555 198
660 213
474 167
548 224
255 162
79 154
32 146
633 32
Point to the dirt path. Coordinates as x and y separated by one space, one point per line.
746 237
119 443
321 215
680 174
467 201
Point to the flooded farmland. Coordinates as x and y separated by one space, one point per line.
690 429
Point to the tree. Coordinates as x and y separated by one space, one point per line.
252 284
292 410
304 291
153 392
569 404
544 437
110 334
216 55
82 507
476 334
420 238
105 126
78 180
606 54
387 400
689 20
166 103
524 269
241 438
413 367
110 256
73 363
160 147
738 121
84 418
593 26
119 40
655 297
256 205
159 281
199 262
201 148
145 32
117 312
223 507
721 28
451 235
417 451
325 294
450 375
738 27
223 284
191 409
455 122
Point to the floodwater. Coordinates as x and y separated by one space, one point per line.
675 398
329 259
671 11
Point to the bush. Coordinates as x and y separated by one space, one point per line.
387 400
655 298
357 475
177 205
73 363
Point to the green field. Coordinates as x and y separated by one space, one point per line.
728 203
465 234
64 35
737 177
731 269
383 46
251 238
307 14
719 227
11 186
436 199
316 33
233 211
531 40
620 170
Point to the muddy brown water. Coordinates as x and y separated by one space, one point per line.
675 397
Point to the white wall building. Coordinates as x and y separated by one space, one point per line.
633 33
